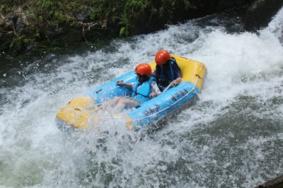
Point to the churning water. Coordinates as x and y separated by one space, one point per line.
232 137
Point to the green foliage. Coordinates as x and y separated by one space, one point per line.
123 31
45 8
46 4
46 18
120 18
133 10
136 5
4 9
13 3
106 10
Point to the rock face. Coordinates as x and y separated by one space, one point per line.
27 25
274 183
260 13
155 14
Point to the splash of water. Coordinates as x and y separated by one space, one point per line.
232 137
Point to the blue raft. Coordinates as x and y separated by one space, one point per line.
77 113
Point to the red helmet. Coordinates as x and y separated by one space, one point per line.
161 57
143 69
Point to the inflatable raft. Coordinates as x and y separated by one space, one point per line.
81 112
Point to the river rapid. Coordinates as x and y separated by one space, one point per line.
232 136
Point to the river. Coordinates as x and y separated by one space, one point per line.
232 136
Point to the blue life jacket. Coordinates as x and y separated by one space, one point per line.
166 73
141 91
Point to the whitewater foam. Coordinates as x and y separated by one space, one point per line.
211 144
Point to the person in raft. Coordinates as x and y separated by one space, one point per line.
167 71
142 91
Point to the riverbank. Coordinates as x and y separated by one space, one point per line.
42 26
31 28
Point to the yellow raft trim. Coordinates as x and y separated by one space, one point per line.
77 112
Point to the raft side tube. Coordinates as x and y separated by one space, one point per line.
163 105
76 113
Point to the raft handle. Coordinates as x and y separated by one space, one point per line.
98 91
197 75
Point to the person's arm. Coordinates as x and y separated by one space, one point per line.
154 90
176 81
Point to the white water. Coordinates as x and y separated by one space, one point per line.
212 144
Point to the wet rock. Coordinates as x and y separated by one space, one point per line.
21 20
2 20
5 40
15 21
274 183
7 24
82 16
259 14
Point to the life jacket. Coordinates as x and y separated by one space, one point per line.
167 73
142 91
